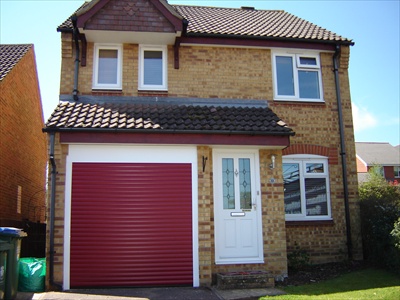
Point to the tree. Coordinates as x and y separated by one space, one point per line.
380 209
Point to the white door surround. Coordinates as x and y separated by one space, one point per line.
237 207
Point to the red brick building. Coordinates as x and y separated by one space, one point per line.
381 155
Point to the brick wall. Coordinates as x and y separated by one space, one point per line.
317 132
23 155
60 155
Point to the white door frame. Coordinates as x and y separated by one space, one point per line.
219 212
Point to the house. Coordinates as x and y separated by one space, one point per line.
23 147
382 155
192 141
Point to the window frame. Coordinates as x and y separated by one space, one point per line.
108 86
303 160
396 172
297 66
152 87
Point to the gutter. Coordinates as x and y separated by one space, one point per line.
52 209
75 34
267 38
343 153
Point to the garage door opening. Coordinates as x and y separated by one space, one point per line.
131 224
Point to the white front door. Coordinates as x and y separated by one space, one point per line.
237 207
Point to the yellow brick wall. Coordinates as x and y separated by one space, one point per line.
221 72
60 155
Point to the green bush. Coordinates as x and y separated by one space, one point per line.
298 259
380 209
396 233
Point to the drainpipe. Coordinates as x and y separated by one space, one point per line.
75 34
343 153
52 209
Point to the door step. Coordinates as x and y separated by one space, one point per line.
245 280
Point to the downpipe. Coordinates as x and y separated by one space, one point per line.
75 34
343 153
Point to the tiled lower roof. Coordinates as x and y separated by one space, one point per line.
10 55
166 117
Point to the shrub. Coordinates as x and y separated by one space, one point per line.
298 259
396 233
380 209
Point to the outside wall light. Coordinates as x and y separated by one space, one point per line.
272 164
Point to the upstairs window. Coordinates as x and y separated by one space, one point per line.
107 66
306 188
297 77
153 68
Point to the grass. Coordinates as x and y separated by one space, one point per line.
364 284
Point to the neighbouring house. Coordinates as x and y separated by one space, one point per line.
381 155
23 146
191 141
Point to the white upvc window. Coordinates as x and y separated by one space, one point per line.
297 77
153 68
306 188
397 171
107 66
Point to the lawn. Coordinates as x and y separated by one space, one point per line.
364 284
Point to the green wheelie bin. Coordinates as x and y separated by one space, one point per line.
10 248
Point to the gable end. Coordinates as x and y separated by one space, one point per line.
125 15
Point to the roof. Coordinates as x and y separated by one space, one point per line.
166 115
252 23
378 153
242 22
10 55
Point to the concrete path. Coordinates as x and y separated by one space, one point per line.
167 293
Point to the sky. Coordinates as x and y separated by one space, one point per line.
374 59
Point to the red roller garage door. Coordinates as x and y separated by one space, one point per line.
131 225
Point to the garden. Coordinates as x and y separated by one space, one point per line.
378 276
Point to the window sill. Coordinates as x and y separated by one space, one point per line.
105 92
152 93
300 101
310 223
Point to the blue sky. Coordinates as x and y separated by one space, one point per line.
374 60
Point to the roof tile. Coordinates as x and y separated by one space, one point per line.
249 23
10 55
166 117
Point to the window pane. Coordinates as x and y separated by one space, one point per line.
228 183
245 183
396 171
314 168
153 68
284 75
108 66
316 198
291 187
309 84
311 61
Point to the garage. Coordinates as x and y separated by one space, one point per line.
131 224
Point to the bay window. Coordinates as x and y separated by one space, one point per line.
306 188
